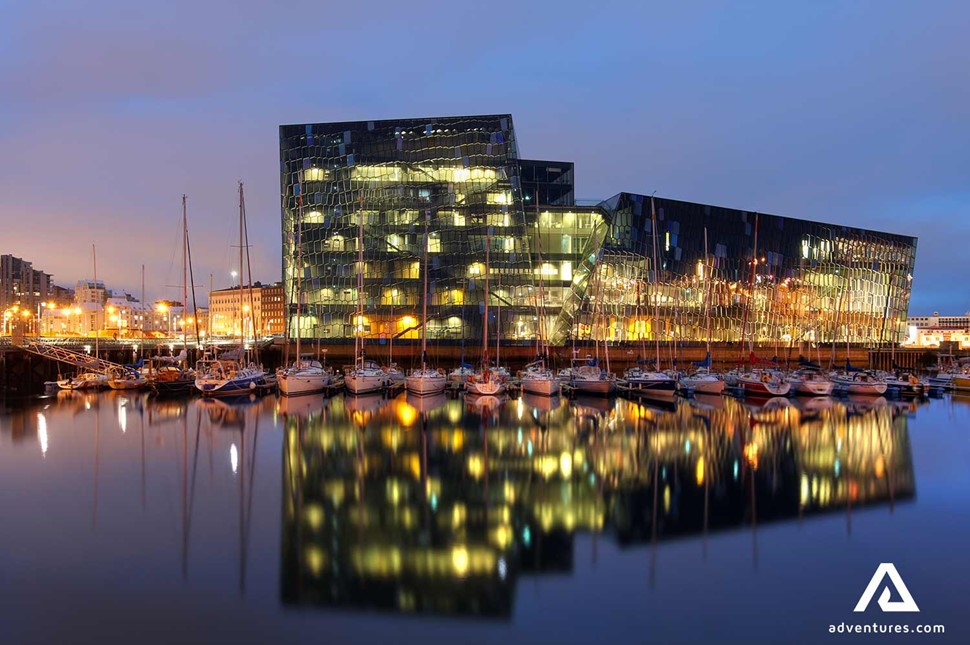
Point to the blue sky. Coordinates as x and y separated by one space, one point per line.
847 112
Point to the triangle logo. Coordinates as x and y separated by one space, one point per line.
906 602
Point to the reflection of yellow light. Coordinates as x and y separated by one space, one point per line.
406 414
454 414
699 471
475 466
880 466
459 560
414 465
315 560
503 536
548 466
457 440
751 454
566 464
314 516
458 514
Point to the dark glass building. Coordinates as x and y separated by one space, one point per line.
556 268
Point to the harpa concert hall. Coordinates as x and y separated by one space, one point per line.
631 268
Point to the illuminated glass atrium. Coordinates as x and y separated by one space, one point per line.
766 278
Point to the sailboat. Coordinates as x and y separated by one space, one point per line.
537 378
653 383
167 374
305 375
486 381
231 374
703 381
425 380
365 376
89 380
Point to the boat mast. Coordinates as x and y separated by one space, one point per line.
540 299
424 296
358 340
141 326
707 294
97 332
656 271
498 322
242 320
298 270
195 306
747 302
185 250
488 245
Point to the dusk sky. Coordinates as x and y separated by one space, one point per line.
846 112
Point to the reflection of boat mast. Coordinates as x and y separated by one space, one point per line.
188 491
245 499
143 455
653 521
97 465
754 512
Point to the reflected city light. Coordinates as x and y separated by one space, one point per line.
122 416
234 458
42 433
424 513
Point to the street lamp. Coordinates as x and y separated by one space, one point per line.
163 309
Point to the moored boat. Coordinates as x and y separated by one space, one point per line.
703 381
861 383
651 383
536 378
763 383
227 377
908 385
590 379
84 381
810 382
365 377
305 376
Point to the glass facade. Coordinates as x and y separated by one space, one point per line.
766 278
458 174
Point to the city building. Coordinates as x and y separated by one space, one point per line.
557 269
937 331
24 291
259 306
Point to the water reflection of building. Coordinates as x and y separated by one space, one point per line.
443 510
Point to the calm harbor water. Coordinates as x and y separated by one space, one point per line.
125 518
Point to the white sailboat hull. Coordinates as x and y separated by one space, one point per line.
364 383
542 386
703 384
426 384
813 388
483 388
297 382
